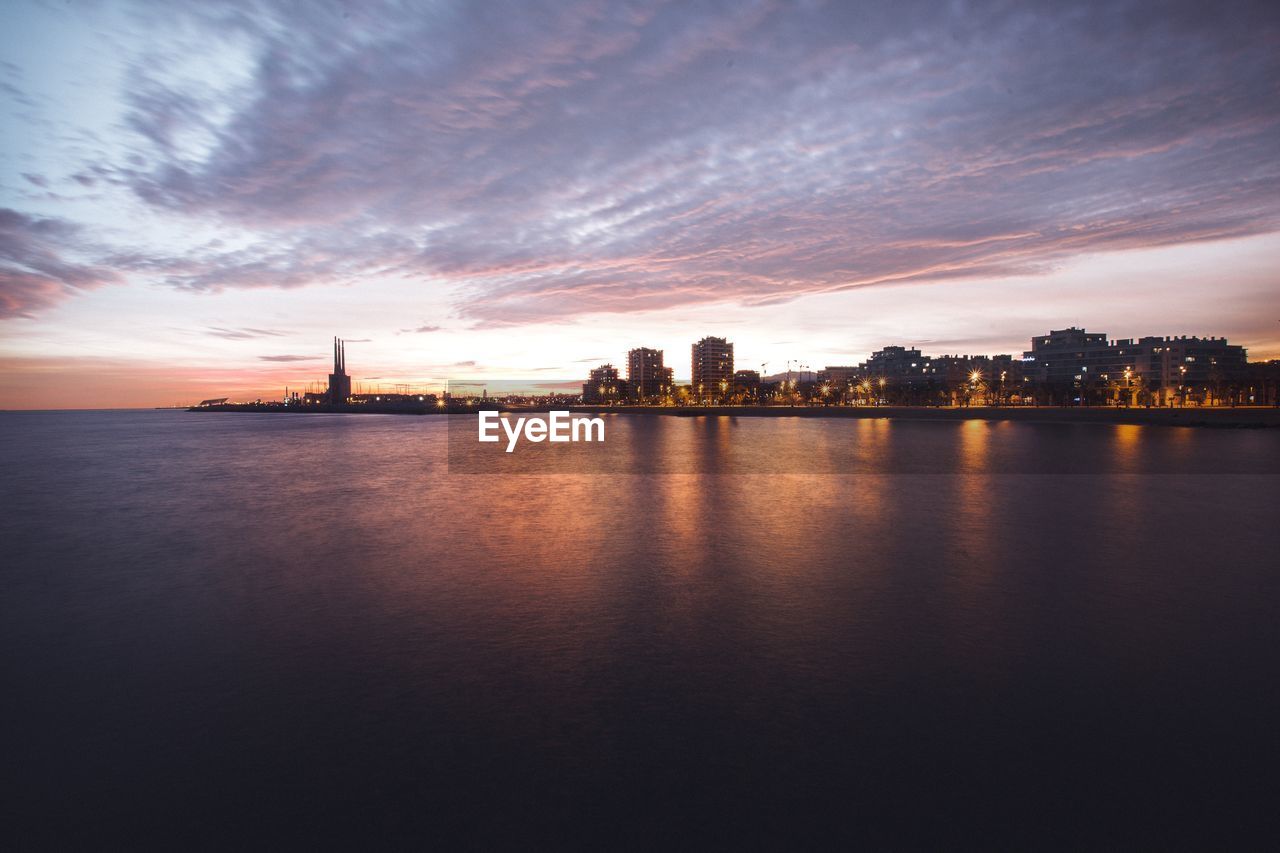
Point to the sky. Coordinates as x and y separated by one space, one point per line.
195 197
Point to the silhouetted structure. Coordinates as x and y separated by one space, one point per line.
1163 369
1264 383
339 382
1064 367
712 367
647 378
603 385
899 364
840 376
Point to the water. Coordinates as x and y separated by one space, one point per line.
226 630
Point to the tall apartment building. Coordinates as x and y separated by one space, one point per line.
712 367
646 375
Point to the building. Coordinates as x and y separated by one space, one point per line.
1067 355
647 378
712 367
840 376
603 385
1165 368
746 383
950 371
1203 367
1263 385
898 365
339 382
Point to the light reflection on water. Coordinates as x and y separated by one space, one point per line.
290 618
747 445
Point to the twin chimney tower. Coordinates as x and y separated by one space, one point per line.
339 381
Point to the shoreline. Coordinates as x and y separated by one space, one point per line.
1240 417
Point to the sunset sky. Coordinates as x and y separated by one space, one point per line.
194 198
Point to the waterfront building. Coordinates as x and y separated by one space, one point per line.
339 382
604 385
1262 387
1168 369
647 377
950 370
898 365
712 368
840 376
746 384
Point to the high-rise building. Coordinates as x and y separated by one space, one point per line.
339 381
712 367
646 376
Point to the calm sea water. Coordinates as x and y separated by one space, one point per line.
229 630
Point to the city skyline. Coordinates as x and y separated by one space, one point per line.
1150 366
192 197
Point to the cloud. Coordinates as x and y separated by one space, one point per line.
287 358
421 330
243 334
41 263
287 261
545 161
